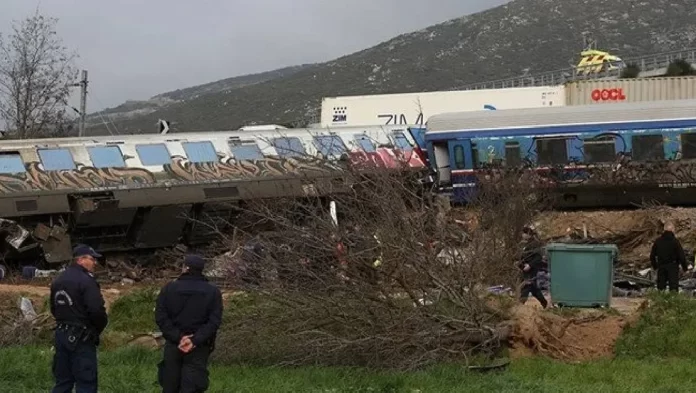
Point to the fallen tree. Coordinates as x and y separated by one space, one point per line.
392 280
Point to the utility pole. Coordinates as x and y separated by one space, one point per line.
83 102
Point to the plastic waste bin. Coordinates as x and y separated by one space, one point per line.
582 275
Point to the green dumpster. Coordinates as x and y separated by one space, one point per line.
582 275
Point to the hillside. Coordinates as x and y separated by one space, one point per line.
533 35
134 108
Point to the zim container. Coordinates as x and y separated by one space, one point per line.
582 275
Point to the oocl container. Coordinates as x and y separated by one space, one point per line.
605 91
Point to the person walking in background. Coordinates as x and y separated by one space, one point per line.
531 264
189 314
78 307
665 257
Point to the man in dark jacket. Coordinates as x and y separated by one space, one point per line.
189 313
531 264
666 256
78 307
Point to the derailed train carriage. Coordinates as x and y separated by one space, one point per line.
588 156
147 191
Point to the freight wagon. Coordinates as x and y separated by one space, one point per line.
416 108
594 156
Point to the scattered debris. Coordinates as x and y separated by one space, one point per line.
16 234
27 309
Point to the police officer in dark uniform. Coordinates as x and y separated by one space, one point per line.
189 313
78 307
531 264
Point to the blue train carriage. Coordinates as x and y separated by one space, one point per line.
594 156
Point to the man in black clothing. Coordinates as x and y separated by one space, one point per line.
189 313
532 261
666 256
78 307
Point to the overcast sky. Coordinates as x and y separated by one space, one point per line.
134 49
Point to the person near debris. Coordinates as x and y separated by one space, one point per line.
189 313
532 262
665 257
78 307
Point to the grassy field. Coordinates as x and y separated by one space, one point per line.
655 355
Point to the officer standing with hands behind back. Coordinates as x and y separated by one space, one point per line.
189 313
78 307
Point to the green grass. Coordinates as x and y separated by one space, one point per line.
654 355
134 312
132 370
666 330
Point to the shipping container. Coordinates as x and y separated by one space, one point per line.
415 108
630 90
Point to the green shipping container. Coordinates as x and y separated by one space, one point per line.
582 275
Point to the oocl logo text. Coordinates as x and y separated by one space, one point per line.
608 95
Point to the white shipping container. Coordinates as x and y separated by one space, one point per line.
630 90
415 108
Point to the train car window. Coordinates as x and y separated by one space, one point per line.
688 145
647 148
155 154
551 151
56 159
200 151
11 162
459 160
329 145
513 156
365 143
106 156
401 142
246 152
599 149
289 147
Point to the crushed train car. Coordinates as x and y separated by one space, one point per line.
121 193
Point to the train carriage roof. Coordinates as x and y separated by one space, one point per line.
565 115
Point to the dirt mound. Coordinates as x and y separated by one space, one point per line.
572 336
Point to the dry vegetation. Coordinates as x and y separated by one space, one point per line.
394 283
633 231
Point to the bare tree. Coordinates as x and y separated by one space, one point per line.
36 73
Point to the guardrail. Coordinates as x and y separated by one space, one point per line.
646 63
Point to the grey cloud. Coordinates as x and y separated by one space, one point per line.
134 49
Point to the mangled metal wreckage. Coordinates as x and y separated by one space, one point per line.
148 191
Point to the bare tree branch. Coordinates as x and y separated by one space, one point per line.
36 73
397 283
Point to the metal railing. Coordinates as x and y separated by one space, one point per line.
646 63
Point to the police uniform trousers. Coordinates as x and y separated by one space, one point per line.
184 372
74 364
668 274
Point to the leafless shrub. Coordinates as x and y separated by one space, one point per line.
16 329
396 282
